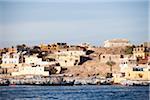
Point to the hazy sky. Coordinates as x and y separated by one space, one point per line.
72 21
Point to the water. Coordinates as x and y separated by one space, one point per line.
74 93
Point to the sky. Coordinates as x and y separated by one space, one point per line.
73 21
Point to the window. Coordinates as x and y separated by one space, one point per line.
137 69
140 75
121 56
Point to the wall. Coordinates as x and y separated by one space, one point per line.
29 70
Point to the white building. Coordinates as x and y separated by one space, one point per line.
117 43
30 70
127 62
10 58
33 59
69 58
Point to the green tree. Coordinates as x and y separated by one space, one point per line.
110 63
129 49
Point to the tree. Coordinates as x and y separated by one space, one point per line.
21 47
110 63
129 49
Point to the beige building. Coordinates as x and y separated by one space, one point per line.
141 51
110 57
69 58
30 70
117 43
12 50
137 73
53 47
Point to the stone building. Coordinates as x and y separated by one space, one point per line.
110 57
117 43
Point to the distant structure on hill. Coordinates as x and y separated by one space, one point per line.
117 43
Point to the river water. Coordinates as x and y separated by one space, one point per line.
89 92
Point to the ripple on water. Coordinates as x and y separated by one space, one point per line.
74 93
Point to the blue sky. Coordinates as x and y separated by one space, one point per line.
93 21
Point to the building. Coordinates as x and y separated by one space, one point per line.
31 70
110 57
10 58
141 52
136 73
87 46
117 43
146 44
53 47
12 50
45 48
127 62
67 58
33 59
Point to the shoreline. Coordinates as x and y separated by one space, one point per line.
68 82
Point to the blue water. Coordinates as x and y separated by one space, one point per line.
74 92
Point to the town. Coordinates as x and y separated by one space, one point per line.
118 61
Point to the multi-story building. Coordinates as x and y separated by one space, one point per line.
127 62
117 43
10 58
141 52
68 58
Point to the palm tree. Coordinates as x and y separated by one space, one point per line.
110 63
